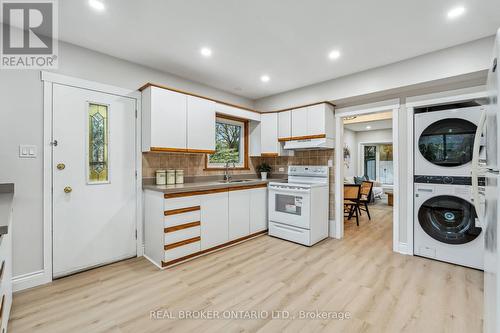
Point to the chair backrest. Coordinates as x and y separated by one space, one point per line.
351 192
366 189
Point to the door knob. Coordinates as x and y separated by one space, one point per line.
67 189
61 166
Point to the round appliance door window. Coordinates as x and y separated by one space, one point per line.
449 219
448 142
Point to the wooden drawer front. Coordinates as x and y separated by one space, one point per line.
183 202
182 234
183 218
182 251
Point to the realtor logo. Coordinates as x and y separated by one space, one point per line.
29 34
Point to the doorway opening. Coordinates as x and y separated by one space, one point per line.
367 173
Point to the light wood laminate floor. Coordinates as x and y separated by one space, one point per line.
382 291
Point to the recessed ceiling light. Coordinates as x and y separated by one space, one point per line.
206 52
265 78
334 54
368 127
97 5
456 12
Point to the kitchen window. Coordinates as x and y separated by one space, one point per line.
231 144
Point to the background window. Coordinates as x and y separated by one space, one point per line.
230 144
370 158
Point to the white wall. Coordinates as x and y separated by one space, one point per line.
22 123
351 142
455 61
376 136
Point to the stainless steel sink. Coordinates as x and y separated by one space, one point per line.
235 181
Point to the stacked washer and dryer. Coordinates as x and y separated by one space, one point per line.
445 225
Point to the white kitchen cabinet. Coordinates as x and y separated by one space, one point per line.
299 122
254 146
315 120
214 219
284 124
239 213
200 125
180 226
164 119
269 134
258 210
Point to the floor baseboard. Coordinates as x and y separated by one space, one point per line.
30 280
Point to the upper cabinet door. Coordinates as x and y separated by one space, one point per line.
200 125
269 133
316 119
299 122
284 124
164 119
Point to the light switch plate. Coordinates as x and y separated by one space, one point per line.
330 163
27 151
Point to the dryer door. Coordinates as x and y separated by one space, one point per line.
449 219
448 142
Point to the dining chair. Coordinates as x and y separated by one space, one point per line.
351 197
365 194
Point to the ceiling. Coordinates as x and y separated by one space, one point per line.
289 40
374 125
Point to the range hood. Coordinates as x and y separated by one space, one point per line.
323 143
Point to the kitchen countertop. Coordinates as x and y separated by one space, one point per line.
206 185
6 198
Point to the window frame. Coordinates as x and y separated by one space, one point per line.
245 144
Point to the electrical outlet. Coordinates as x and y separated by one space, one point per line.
330 163
281 170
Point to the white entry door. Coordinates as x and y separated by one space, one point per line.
94 194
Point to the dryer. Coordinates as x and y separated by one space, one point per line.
446 227
443 141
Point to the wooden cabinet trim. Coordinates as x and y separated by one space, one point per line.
212 191
2 308
181 210
246 187
181 150
182 243
2 270
182 226
192 193
269 154
305 137
149 84
192 255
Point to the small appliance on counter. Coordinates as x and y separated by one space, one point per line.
298 210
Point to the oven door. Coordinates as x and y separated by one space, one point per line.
290 205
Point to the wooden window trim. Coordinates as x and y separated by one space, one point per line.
245 144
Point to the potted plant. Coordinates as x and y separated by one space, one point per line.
264 169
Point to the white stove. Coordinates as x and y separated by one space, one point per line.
298 210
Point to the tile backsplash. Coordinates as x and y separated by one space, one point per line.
194 165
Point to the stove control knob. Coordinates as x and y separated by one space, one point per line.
447 180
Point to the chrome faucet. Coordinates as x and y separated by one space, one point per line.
227 176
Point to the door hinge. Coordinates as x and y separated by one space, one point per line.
135 113
135 233
135 174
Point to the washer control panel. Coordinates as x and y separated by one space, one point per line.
447 180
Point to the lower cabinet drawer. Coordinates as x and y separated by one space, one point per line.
177 219
290 233
182 234
182 251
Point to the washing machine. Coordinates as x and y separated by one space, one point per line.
446 227
444 140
